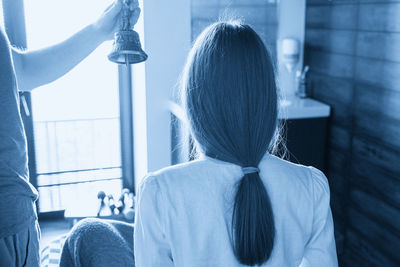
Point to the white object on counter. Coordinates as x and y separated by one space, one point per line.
290 53
291 21
302 108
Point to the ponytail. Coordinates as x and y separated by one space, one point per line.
252 221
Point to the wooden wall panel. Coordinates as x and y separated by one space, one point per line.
339 112
362 252
384 74
383 130
338 160
324 2
377 1
376 209
382 238
379 17
378 155
334 65
337 183
339 137
377 114
379 45
331 88
376 181
353 49
335 41
375 100
339 17
337 206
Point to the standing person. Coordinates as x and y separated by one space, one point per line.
25 70
238 204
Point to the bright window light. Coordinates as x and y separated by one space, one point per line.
76 118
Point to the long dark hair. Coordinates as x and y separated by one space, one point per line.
230 96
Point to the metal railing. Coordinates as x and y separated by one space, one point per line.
85 152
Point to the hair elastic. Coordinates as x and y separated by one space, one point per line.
248 170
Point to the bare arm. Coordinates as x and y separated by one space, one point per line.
36 68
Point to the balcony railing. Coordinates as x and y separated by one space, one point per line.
76 159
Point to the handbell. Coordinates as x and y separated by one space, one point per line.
126 48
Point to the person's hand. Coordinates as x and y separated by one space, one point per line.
109 21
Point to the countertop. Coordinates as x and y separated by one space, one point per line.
302 108
290 108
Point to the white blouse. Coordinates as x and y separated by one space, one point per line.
184 213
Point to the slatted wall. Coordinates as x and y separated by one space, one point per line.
353 49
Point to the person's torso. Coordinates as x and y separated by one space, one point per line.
199 200
17 194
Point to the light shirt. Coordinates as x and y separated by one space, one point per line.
184 213
17 208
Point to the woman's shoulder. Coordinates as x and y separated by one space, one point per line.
177 173
179 168
284 168
310 177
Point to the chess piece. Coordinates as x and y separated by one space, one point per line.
100 196
104 209
111 203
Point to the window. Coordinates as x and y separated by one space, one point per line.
66 101
76 118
